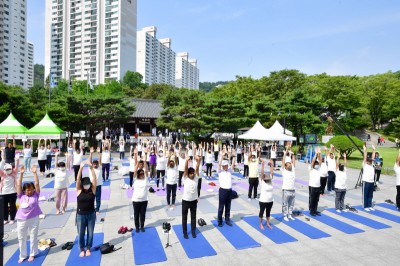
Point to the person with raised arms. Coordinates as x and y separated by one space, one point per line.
225 190
61 185
397 172
266 196
105 159
314 184
28 155
8 188
368 175
288 189
340 185
171 181
97 175
42 156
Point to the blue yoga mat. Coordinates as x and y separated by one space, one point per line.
93 259
302 227
127 180
125 164
388 206
194 247
236 236
384 215
49 185
5 243
147 247
39 258
339 225
360 219
275 234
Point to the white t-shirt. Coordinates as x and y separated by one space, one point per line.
139 147
190 188
77 158
9 186
99 178
190 152
172 176
397 172
273 154
225 179
60 179
181 166
315 177
42 154
105 157
267 190
341 178
209 158
27 153
368 173
161 163
253 169
140 192
132 164
216 148
323 169
121 147
239 150
246 159
288 178
331 163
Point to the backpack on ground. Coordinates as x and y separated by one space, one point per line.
234 194
107 248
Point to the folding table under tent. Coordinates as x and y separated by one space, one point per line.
46 129
10 127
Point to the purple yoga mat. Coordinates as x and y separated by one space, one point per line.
129 193
161 193
205 186
46 193
105 194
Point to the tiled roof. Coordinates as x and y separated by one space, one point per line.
147 108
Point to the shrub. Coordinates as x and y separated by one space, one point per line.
344 145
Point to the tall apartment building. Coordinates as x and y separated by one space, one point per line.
90 37
186 72
29 64
14 54
155 59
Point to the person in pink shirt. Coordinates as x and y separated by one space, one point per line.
28 215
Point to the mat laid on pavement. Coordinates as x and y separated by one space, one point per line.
238 238
39 258
360 219
147 247
338 225
93 259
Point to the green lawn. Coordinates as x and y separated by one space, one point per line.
388 155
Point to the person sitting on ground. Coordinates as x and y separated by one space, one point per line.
266 196
28 215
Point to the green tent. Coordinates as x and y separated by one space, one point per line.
11 126
45 129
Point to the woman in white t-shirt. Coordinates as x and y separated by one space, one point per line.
42 156
171 181
69 155
28 156
160 168
132 165
246 164
397 171
96 175
121 149
190 196
140 196
61 185
340 184
266 196
76 162
209 158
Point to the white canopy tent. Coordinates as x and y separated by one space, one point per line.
279 128
259 132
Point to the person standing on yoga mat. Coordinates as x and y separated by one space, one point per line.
209 160
314 184
181 164
161 166
28 215
199 153
331 162
86 214
368 175
48 156
323 169
61 185
266 196
340 185
397 172
105 160
69 155
140 195
9 151
42 156
28 155
225 190
190 196
8 188
77 161
171 181
288 190
253 176
132 165
97 176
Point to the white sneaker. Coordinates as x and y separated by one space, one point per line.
339 211
345 210
366 209
249 199
371 209
257 199
286 219
291 217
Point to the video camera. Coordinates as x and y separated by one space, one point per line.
166 227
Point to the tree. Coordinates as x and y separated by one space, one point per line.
344 145
38 75
156 91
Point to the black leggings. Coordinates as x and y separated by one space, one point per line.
208 169
398 197
245 170
160 175
265 206
186 206
9 200
377 174
171 188
180 178
48 162
199 186
253 184
139 211
42 165
76 170
131 174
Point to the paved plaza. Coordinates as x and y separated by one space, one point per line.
371 247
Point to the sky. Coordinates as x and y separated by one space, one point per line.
232 38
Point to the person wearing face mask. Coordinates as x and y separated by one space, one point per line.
225 190
340 185
8 188
368 174
105 161
209 157
28 155
314 184
10 151
266 195
253 176
171 181
28 215
190 196
97 176
160 168
181 165
86 214
48 156
152 164
69 155
42 156
61 185
140 196
288 189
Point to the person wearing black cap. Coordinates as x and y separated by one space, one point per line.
86 214
225 190
368 180
190 196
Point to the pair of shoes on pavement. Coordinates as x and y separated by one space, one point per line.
124 229
220 224
185 235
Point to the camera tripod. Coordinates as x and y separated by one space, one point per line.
168 244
